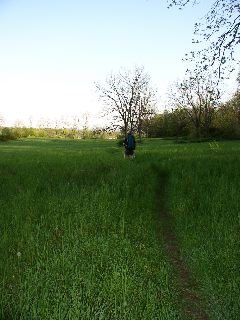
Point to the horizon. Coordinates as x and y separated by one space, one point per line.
52 53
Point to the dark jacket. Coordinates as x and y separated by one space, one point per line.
130 142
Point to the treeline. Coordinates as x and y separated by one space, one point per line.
65 133
203 120
194 108
220 122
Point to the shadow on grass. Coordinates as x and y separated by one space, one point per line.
186 286
10 315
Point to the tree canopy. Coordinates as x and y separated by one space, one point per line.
220 29
128 98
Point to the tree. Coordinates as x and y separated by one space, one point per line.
198 96
221 29
154 127
128 99
180 122
227 118
145 108
1 121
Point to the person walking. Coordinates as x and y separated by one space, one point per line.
130 145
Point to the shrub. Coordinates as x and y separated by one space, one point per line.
7 134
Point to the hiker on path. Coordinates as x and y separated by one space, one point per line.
130 145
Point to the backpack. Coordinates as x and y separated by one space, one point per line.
130 142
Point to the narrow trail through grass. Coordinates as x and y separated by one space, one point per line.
191 302
86 234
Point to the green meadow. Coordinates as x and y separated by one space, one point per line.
81 234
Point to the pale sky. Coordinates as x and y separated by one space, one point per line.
52 51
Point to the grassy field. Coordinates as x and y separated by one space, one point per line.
81 237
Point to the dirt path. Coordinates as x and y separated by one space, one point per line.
192 303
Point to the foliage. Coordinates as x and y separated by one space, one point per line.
1 121
228 117
129 99
223 120
18 133
197 96
167 124
7 134
220 32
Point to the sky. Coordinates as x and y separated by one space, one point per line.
53 51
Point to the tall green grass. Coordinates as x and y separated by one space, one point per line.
80 236
204 198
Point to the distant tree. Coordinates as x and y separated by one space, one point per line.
238 81
7 134
145 108
85 129
75 123
221 29
129 99
180 122
199 97
18 124
154 127
167 124
30 121
85 121
2 122
227 118
45 123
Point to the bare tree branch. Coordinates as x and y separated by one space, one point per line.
128 98
198 96
220 30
